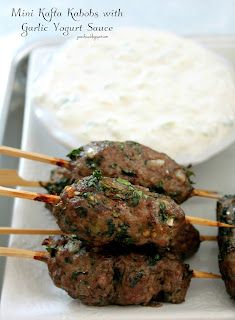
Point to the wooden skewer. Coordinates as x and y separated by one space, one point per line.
208 238
206 194
49 198
22 253
7 230
207 222
10 177
206 275
13 152
40 255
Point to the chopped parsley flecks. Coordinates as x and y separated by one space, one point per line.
74 154
57 186
162 212
123 181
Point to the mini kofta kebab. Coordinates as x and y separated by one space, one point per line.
226 241
128 160
101 210
98 279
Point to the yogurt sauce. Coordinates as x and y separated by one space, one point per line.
153 87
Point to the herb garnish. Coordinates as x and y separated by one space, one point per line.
94 179
57 186
74 154
162 212
123 181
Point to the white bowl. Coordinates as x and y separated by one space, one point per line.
225 46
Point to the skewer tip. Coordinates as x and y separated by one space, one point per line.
207 222
206 194
205 275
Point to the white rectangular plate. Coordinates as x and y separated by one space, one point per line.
28 292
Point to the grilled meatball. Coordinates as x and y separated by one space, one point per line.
226 241
132 161
100 210
124 280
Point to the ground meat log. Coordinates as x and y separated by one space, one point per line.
226 241
129 279
101 210
186 241
134 162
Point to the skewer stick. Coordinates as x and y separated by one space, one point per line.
206 275
7 230
13 152
22 253
208 238
207 222
40 255
10 177
206 194
49 198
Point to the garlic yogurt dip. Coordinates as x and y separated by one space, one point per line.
159 89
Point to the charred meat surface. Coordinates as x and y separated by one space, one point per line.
100 210
131 161
129 279
226 241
